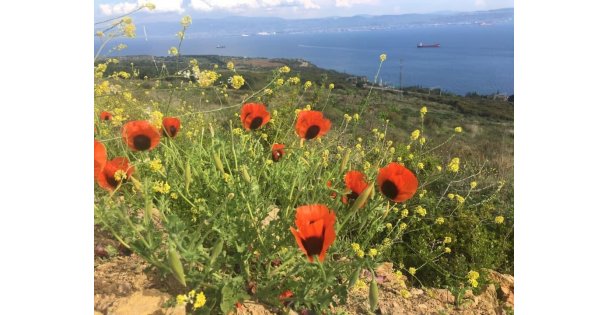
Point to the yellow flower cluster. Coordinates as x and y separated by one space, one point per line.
129 30
447 250
356 117
161 187
230 65
402 226
412 271
357 249
120 175
499 219
156 119
473 185
421 211
207 78
458 129
460 199
280 82
420 165
440 221
454 165
415 134
307 85
347 117
372 252
156 165
473 276
331 86
382 57
237 81
268 92
447 240
423 110
293 80
173 51
404 213
186 21
284 69
197 300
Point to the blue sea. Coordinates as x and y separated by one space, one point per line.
472 58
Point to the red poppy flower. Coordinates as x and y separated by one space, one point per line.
105 116
397 182
140 135
311 124
315 231
101 157
284 296
277 151
254 116
333 193
355 181
171 126
106 178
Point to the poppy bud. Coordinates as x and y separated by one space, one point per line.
373 295
354 277
218 163
217 249
345 161
176 266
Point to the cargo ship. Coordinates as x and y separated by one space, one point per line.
421 45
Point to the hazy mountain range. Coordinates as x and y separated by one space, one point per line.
264 26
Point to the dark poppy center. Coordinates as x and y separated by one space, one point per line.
256 123
276 155
111 180
172 131
313 245
106 117
142 142
352 196
389 189
312 132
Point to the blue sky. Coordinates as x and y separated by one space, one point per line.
290 9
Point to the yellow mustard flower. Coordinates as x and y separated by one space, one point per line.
307 85
186 21
439 221
447 250
173 51
331 86
421 211
382 57
200 300
230 65
161 187
458 129
454 165
415 134
284 69
237 81
447 240
423 110
420 165
412 270
372 252
499 219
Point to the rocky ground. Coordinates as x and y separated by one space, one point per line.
125 285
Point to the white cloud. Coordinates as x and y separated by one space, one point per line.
117 9
240 5
480 3
126 7
350 3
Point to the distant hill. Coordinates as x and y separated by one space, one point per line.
264 26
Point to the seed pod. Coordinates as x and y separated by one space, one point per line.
136 183
211 130
217 249
345 161
373 295
245 174
188 177
218 163
176 266
362 198
354 277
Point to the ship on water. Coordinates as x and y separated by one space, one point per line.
421 45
